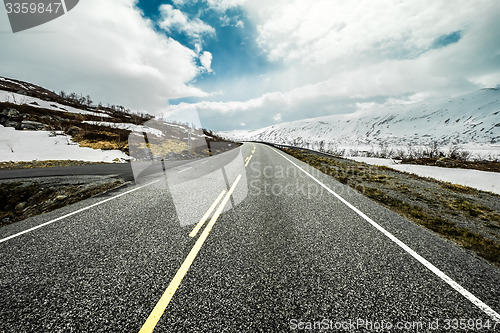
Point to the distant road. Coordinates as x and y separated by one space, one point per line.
124 170
277 246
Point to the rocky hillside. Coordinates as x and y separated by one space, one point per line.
28 107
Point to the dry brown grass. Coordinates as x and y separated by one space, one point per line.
45 164
104 145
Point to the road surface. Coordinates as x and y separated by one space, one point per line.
284 248
123 170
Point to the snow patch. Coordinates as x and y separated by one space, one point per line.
396 123
19 146
18 99
127 126
481 180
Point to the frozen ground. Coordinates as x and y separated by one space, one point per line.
127 126
18 99
38 145
481 180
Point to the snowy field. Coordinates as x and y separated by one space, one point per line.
481 180
18 99
127 126
38 145
467 118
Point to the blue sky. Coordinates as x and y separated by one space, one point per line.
233 47
246 64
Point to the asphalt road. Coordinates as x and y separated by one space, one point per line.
123 170
284 253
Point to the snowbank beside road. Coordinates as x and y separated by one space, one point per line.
481 180
38 145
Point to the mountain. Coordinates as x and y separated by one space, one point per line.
472 118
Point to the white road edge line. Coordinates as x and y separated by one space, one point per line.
185 169
476 301
75 212
204 162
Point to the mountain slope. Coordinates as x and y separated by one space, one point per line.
38 124
470 118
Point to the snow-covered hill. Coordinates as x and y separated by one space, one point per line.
39 124
467 120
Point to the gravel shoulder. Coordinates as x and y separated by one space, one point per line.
46 164
26 197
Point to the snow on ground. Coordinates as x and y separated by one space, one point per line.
375 161
16 83
38 145
127 126
481 180
460 120
10 97
178 126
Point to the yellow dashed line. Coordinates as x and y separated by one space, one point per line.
162 304
248 160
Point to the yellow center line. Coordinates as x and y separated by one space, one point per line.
248 160
207 215
162 304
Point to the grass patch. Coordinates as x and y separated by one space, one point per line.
491 166
102 137
487 248
459 188
45 164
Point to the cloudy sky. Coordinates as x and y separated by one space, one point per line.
245 64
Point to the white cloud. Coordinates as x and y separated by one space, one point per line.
179 2
321 40
240 24
328 53
172 18
105 49
197 48
333 51
223 5
323 31
277 117
206 61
